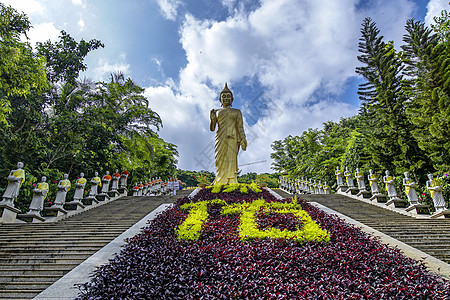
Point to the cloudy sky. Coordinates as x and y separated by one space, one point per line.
289 63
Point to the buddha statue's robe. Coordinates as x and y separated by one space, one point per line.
229 134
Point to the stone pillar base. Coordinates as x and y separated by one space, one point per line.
341 188
54 211
102 197
419 209
397 203
441 214
113 193
352 191
31 218
89 200
123 191
74 205
8 213
363 193
380 198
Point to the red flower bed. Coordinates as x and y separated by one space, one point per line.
155 264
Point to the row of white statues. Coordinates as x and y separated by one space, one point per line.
410 186
156 187
16 177
345 184
303 186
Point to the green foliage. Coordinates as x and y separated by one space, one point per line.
64 59
189 178
21 70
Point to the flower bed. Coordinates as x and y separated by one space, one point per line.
218 262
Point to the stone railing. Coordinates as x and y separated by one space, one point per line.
391 200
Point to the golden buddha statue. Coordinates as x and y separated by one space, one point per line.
230 136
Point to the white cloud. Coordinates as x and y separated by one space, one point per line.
29 7
104 67
81 24
78 3
43 32
169 8
434 8
292 48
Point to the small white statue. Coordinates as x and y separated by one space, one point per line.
123 179
95 183
105 182
63 188
339 178
373 180
326 188
410 189
39 193
349 178
435 189
390 188
15 180
359 175
115 181
79 188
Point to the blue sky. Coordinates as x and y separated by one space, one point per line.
289 63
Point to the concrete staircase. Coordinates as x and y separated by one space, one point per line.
33 256
431 236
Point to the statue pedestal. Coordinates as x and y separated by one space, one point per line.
341 188
54 211
380 198
123 191
397 203
31 218
102 197
113 193
8 213
363 193
442 214
74 205
352 191
89 200
419 209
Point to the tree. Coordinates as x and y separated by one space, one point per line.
429 108
64 59
388 131
21 70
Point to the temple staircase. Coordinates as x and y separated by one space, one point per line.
34 255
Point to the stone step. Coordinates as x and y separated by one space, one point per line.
29 278
44 255
38 266
36 272
50 260
100 236
46 250
19 294
20 286
59 243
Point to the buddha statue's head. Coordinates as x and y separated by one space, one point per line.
226 96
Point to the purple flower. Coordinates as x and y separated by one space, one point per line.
446 175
